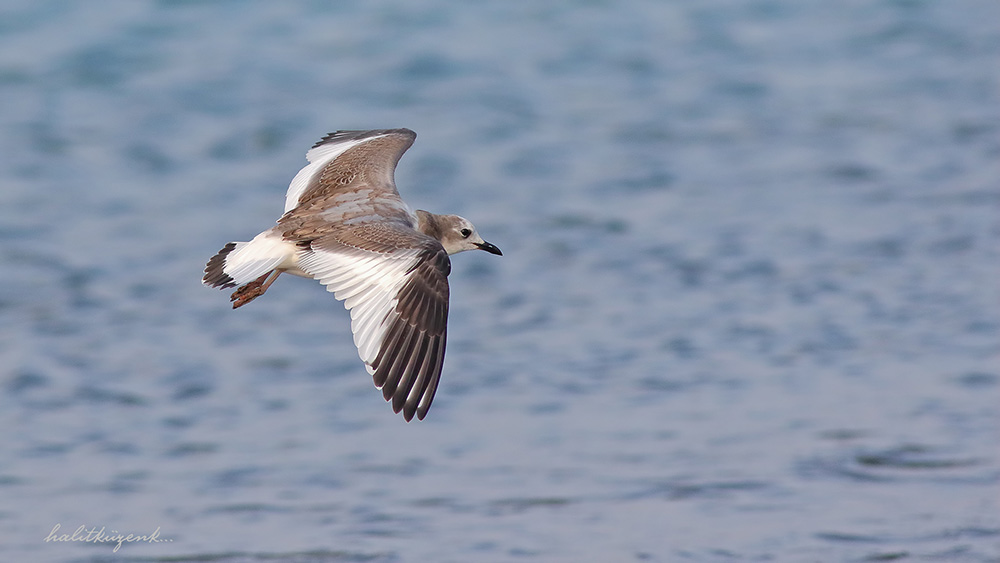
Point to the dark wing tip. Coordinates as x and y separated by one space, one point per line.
408 368
356 135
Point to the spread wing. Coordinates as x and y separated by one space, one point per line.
394 280
343 161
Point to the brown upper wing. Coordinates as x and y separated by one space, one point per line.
344 161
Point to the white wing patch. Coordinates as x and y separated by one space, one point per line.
318 158
368 284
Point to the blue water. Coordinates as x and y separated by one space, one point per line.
748 308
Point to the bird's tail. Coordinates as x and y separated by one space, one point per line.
215 270
243 262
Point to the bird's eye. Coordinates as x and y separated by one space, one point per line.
466 233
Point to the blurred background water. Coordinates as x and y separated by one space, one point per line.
748 308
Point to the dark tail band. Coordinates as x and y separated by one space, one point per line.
215 276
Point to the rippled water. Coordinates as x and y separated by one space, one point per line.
748 307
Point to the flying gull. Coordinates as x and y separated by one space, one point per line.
345 225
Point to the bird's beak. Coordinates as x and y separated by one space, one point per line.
491 248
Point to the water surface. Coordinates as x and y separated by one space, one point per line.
747 308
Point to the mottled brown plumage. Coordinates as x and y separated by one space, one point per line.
345 225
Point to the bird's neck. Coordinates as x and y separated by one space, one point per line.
428 224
